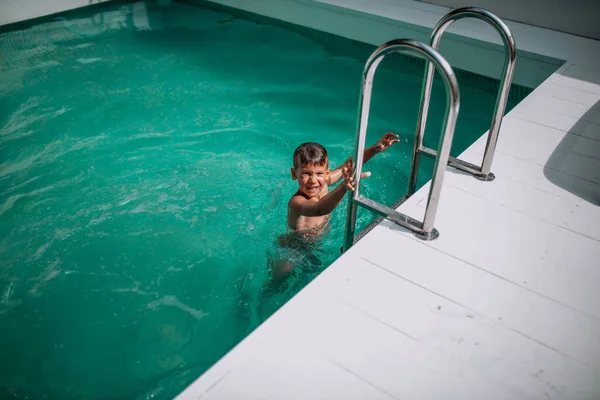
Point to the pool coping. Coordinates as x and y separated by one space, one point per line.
502 305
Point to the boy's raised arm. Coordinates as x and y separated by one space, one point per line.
382 144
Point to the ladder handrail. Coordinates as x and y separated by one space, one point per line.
481 172
425 229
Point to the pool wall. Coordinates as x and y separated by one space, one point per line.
12 11
484 57
582 20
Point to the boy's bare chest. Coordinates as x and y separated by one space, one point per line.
302 222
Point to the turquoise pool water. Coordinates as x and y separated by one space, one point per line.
144 171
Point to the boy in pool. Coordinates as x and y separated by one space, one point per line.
310 207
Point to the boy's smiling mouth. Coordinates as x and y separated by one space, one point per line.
312 188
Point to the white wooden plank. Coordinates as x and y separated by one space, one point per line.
505 358
568 93
568 187
580 77
532 254
287 370
380 354
577 156
528 140
570 212
237 356
537 106
587 129
551 148
551 323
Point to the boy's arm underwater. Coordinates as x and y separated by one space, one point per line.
382 144
302 206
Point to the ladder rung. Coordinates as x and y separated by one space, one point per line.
454 162
391 214
378 220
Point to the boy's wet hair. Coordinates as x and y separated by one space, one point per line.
310 153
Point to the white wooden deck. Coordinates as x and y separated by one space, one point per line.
504 305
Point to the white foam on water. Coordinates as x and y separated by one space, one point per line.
173 302
143 232
87 60
170 269
134 289
209 132
42 279
146 135
8 293
96 221
13 199
6 304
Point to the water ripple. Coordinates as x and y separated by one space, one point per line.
13 199
173 302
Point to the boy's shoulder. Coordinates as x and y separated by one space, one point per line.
296 202
296 199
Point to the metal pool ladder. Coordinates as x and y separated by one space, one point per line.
424 229
481 172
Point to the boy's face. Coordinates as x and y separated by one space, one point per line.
311 178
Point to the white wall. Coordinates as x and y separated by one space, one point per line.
20 10
579 17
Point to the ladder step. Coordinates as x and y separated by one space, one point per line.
455 162
391 214
378 220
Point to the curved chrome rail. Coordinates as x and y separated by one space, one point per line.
425 229
480 172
